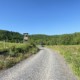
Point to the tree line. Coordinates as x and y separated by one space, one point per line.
65 39
10 36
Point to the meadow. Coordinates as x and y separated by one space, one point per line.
12 53
71 53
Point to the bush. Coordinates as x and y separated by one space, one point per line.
16 53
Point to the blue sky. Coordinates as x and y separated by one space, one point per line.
40 16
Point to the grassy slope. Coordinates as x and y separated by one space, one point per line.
71 54
12 53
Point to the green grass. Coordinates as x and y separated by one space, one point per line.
12 53
71 54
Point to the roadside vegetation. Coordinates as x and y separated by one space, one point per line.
12 53
12 50
71 54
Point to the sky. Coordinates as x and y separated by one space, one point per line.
49 17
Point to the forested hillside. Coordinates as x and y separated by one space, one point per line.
65 39
10 36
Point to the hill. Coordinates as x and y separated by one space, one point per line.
65 39
10 36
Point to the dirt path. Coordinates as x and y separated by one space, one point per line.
45 65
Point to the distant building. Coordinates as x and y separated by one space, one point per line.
25 38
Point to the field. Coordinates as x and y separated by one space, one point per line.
12 53
71 53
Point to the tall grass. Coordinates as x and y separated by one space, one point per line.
71 54
13 53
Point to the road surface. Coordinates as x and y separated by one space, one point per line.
45 65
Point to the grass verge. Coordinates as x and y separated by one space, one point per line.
71 54
14 53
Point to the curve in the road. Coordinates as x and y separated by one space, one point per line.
46 65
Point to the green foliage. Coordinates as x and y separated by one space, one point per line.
15 52
65 39
10 36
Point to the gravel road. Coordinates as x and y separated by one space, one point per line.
45 65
